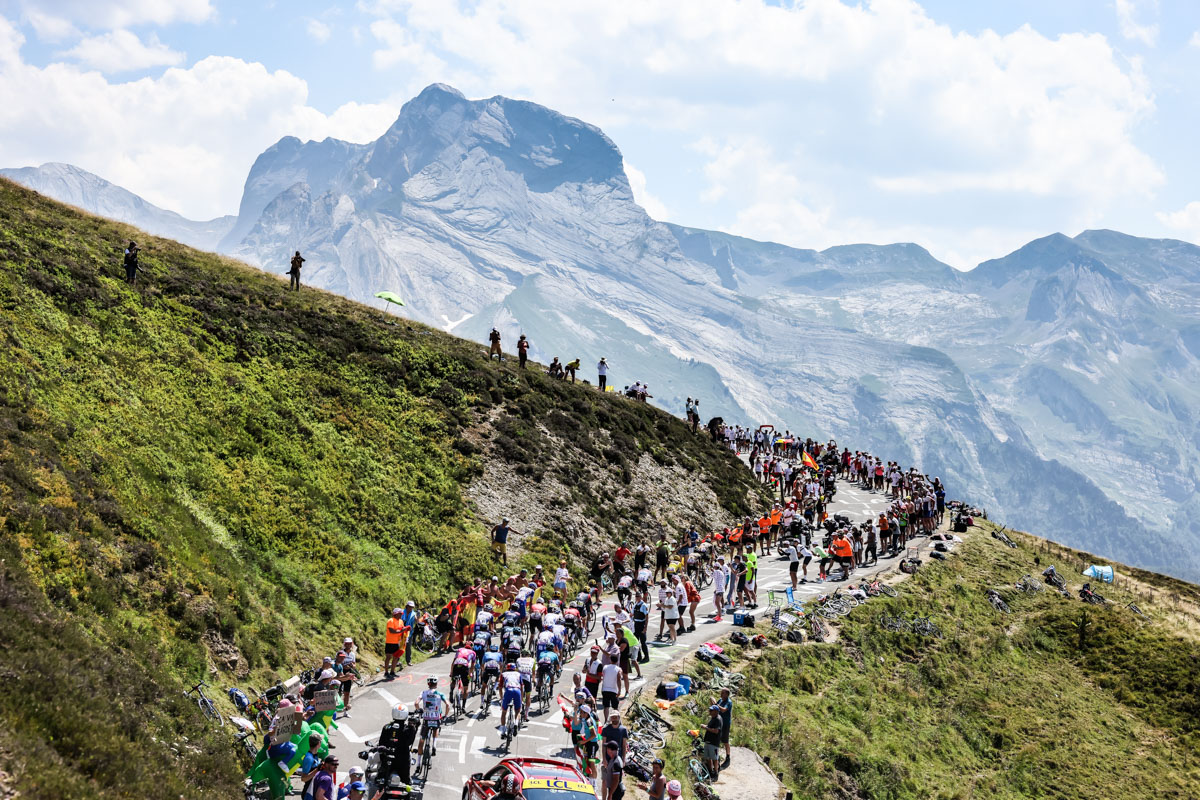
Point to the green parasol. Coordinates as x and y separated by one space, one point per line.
390 297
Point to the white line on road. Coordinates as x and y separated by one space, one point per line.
346 731
455 789
531 736
386 695
462 750
477 747
542 724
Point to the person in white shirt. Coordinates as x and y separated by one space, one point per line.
602 372
718 581
560 576
610 684
793 556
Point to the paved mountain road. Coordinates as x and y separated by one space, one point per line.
474 744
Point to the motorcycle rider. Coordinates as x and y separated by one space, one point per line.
397 738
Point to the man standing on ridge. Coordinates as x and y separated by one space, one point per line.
131 262
602 371
494 338
294 272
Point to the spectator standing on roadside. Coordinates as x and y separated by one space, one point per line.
494 338
409 618
392 644
522 351
641 619
500 540
725 704
294 272
602 373
570 368
718 582
131 262
614 731
712 740
614 770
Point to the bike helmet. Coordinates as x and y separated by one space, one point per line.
495 648
674 789
512 665
433 681
400 713
488 608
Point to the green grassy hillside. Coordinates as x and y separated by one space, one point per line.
1054 700
207 476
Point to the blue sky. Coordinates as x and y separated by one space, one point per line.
968 127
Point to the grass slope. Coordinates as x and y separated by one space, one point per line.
1055 700
207 472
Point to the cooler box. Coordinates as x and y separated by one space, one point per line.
742 619
674 690
685 683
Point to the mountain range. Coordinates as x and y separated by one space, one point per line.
1057 386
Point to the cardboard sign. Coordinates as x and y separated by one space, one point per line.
287 725
325 700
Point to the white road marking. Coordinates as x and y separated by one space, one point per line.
386 695
531 736
542 724
471 722
477 747
462 750
346 731
455 789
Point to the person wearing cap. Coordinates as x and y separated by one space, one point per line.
393 644
614 770
500 540
355 790
712 739
356 776
593 668
725 703
409 618
322 785
602 374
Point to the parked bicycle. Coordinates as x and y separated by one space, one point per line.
207 706
997 601
1087 595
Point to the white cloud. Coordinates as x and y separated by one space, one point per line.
184 140
1127 13
852 98
122 50
1195 40
319 31
53 18
637 182
1186 220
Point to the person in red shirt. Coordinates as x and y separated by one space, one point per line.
622 552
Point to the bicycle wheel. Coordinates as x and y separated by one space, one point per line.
888 590
210 710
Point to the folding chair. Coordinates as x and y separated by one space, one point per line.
792 601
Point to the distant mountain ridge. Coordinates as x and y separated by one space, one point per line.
70 184
1057 385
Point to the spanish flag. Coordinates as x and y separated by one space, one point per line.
807 460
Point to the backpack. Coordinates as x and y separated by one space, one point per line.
239 699
739 638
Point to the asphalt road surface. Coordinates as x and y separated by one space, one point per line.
474 744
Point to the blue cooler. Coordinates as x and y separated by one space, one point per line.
685 684
674 690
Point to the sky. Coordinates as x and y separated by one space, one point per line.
967 127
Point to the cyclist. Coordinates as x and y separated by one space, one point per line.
513 682
483 620
433 708
573 622
525 666
547 665
461 668
492 662
545 641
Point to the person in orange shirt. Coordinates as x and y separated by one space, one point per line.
764 530
393 643
775 516
843 552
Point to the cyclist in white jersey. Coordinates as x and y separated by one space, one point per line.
432 707
525 667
